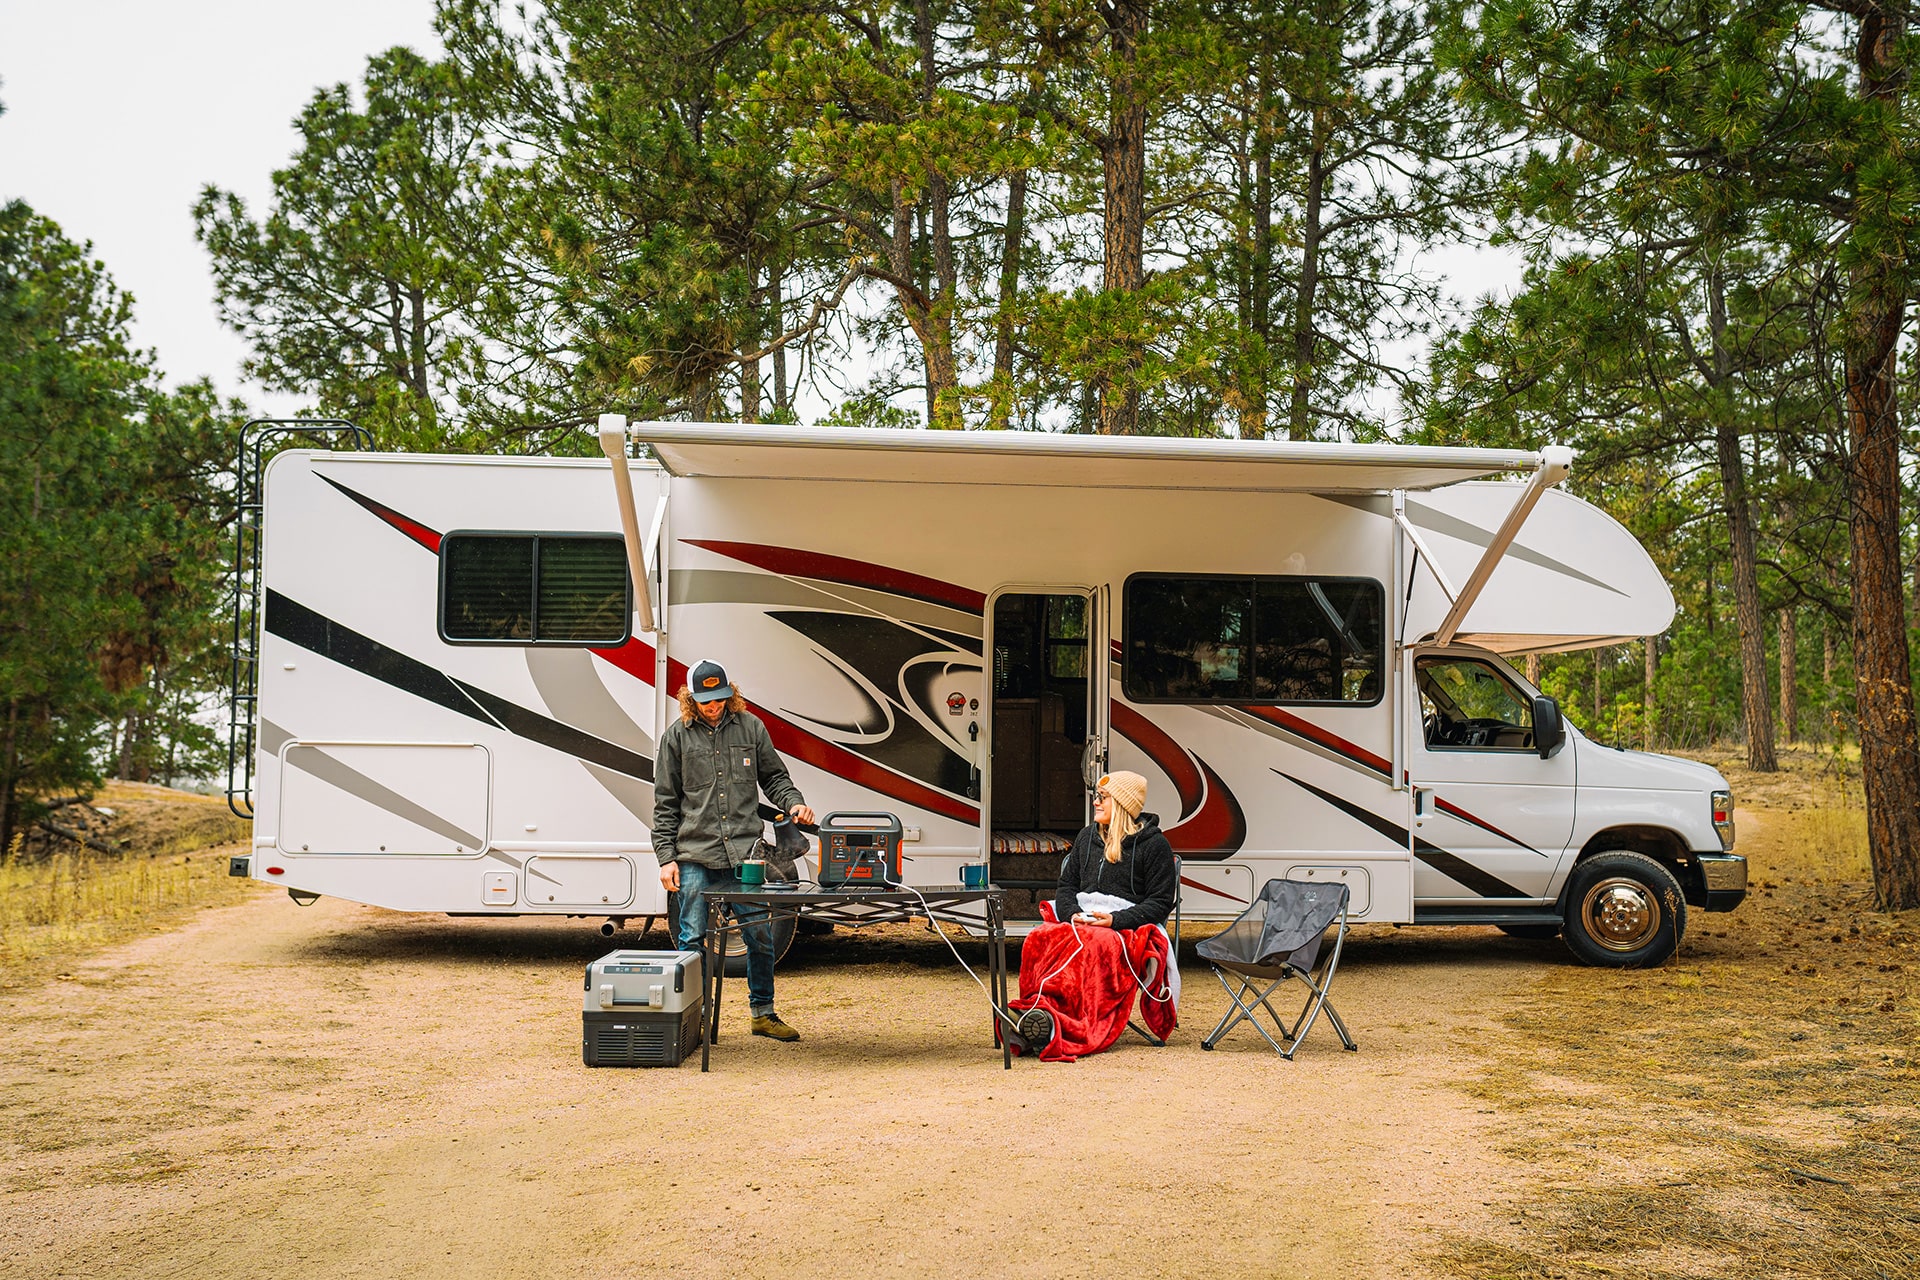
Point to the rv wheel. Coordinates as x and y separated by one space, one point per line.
1624 911
736 944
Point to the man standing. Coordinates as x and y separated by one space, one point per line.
708 775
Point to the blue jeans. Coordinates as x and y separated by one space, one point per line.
695 882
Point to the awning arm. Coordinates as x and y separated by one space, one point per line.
613 443
1555 462
1426 554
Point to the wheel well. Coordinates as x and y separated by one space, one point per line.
1658 843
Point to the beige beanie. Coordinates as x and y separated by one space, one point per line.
1129 791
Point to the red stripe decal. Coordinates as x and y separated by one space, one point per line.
412 528
1163 751
853 573
1314 733
1448 806
1204 888
636 657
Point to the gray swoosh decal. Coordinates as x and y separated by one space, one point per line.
318 763
569 684
1454 527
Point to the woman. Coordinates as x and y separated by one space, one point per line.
1078 977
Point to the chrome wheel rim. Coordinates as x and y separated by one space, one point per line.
1620 913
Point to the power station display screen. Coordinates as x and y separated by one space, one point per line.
859 842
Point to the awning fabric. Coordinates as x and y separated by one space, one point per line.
749 451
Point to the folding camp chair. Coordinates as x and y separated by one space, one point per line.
1173 958
1279 937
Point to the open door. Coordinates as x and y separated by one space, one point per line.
1047 720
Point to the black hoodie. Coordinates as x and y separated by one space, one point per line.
1143 876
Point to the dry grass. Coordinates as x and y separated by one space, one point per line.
56 907
1750 1109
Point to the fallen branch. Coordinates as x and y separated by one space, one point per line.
78 837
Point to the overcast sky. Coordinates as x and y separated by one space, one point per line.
118 112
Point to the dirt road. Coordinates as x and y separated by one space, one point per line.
342 1091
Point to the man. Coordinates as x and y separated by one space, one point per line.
708 776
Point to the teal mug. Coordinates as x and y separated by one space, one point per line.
753 873
974 875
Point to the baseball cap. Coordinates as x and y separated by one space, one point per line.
708 681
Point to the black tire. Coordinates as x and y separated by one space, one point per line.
1624 911
1531 932
736 944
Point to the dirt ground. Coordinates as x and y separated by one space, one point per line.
266 1090
341 1091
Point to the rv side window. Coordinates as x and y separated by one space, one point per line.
543 588
1205 638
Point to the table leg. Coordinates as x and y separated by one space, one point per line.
998 915
709 991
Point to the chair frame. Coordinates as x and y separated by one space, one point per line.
1245 1010
1173 956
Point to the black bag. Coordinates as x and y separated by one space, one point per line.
788 847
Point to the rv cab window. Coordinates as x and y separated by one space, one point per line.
1466 704
543 588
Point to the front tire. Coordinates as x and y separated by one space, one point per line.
1624 911
736 966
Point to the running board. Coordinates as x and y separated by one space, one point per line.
1487 915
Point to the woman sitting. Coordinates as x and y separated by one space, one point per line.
1104 941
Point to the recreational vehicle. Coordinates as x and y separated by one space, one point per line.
462 665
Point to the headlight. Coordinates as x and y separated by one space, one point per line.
1723 817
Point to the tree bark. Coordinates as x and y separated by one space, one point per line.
1789 678
1756 705
943 373
1651 656
1305 338
1123 158
1883 689
1000 414
9 778
781 402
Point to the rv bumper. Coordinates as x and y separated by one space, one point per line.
1725 875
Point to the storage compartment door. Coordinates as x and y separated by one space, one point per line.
384 797
579 880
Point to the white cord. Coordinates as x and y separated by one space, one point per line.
934 925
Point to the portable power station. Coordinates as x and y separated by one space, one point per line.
642 1009
859 849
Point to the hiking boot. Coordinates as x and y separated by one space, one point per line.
769 1025
1036 1028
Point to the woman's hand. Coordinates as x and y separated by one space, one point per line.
1100 918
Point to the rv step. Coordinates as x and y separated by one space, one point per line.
1487 915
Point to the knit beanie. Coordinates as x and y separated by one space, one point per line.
1129 791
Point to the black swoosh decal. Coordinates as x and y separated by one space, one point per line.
1454 867
293 621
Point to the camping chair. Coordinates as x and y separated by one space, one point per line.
1173 958
1280 937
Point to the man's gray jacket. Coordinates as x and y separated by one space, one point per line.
706 790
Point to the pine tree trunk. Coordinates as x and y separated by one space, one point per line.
1305 337
1756 704
1789 679
9 777
1000 414
781 402
1123 157
943 372
1883 689
1533 670
1651 654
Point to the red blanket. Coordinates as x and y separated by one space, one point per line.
1086 977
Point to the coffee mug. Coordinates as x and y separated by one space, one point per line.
753 872
974 875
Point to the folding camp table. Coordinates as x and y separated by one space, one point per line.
939 904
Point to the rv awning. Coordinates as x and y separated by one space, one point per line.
746 451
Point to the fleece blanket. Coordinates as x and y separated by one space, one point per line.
1087 977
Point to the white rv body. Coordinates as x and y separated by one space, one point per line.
850 583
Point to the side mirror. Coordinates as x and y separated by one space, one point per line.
1549 730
